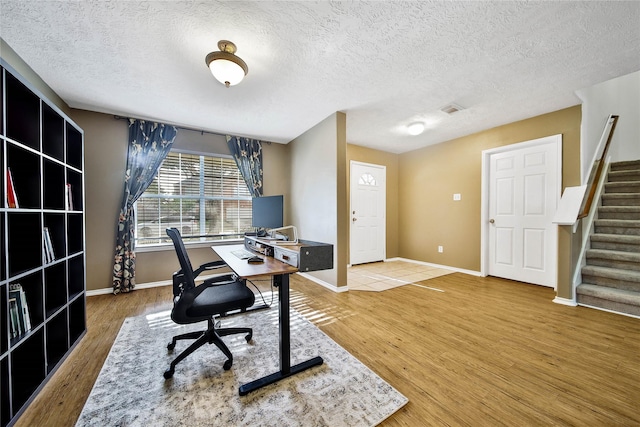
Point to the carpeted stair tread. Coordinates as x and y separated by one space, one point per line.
624 175
611 277
619 300
607 293
613 259
619 212
619 209
612 273
625 165
622 187
617 226
623 256
621 199
615 238
617 222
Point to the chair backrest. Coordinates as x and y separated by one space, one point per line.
185 264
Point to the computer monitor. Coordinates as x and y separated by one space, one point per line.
267 212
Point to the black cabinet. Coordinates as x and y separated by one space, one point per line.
42 248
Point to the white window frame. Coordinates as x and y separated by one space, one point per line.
203 241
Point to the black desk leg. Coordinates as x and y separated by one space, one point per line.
286 370
282 281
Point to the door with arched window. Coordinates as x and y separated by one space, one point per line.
368 213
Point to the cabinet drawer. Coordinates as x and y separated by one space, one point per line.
289 257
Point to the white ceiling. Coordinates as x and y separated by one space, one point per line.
384 63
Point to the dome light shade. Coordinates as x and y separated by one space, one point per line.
415 128
225 66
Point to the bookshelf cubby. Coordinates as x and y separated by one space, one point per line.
42 247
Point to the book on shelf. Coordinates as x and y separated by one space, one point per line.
47 246
68 197
19 311
13 316
12 198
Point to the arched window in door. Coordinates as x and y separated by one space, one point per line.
367 179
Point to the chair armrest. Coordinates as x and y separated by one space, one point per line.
213 265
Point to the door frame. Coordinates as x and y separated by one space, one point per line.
484 212
384 200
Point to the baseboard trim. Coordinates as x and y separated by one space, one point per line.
337 289
444 267
106 291
327 285
565 301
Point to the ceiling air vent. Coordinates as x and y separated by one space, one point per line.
451 108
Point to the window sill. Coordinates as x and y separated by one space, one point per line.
189 245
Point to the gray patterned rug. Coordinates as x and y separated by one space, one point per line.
131 391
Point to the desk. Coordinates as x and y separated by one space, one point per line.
280 272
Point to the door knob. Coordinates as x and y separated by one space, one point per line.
354 219
492 220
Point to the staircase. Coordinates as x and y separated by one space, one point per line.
611 276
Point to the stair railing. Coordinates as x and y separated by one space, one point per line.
597 166
576 203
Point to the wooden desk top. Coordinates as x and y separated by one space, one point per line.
270 266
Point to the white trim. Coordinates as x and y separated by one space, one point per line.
148 285
327 285
565 301
444 267
159 247
106 291
96 292
484 198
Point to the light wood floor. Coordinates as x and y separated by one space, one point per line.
486 352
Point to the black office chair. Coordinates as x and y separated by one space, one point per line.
215 297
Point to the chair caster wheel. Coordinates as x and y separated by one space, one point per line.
227 365
248 337
168 374
171 346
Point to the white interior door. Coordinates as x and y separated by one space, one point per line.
524 188
368 207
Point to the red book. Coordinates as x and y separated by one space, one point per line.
12 200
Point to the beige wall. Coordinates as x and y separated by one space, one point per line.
105 154
318 191
429 177
277 174
316 164
105 160
390 161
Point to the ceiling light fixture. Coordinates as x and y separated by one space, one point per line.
225 66
415 128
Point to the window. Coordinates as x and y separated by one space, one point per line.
205 197
367 179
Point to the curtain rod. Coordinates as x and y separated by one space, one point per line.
202 131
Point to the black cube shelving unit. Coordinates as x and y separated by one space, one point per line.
42 241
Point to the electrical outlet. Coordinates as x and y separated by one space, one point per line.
457 197
440 249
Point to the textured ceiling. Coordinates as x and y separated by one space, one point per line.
384 63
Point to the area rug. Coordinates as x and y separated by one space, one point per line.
131 391
382 276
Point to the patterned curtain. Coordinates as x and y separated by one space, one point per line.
248 156
149 144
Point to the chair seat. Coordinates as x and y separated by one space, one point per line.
218 295
201 301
